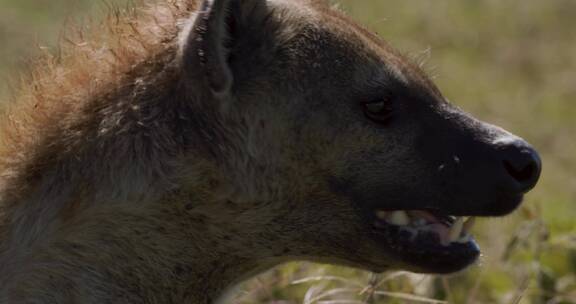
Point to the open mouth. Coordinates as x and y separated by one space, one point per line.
427 240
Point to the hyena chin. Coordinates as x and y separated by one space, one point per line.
200 142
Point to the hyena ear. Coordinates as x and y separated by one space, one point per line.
209 41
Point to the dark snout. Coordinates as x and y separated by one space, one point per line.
520 163
486 170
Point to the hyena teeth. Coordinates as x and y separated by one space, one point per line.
456 229
381 214
399 218
468 224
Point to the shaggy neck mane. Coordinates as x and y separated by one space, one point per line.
85 126
103 83
89 155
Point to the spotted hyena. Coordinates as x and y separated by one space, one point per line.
191 144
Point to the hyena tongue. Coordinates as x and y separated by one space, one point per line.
425 215
448 231
442 231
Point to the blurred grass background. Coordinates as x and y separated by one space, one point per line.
508 62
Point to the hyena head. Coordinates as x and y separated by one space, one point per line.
335 148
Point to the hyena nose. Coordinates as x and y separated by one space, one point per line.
522 164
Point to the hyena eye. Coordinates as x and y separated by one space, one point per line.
379 111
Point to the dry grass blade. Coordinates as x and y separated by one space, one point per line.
447 289
409 297
311 293
521 290
341 302
326 278
333 292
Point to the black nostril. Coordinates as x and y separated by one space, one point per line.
524 166
521 175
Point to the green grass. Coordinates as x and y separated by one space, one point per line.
508 62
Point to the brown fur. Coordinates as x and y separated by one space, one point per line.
140 166
89 70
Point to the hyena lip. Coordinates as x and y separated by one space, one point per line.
427 241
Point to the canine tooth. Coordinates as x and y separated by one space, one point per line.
381 214
468 224
456 229
464 239
399 218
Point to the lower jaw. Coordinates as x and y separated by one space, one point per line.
425 253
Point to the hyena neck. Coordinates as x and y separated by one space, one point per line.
100 201
137 257
143 236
